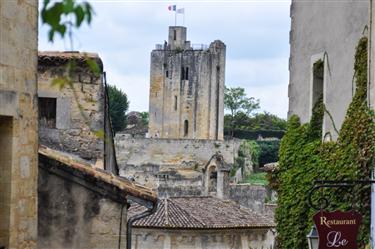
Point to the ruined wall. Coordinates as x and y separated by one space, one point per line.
18 123
170 152
72 132
151 161
71 216
187 90
202 239
251 196
330 31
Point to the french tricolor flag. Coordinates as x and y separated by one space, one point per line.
172 7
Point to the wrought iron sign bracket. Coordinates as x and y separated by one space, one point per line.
323 201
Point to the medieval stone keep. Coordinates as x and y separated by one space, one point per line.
187 89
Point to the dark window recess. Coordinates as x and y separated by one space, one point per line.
175 103
174 35
318 81
166 73
47 112
182 73
187 73
186 128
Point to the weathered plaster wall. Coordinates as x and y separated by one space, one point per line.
18 123
73 133
71 216
202 239
329 29
197 99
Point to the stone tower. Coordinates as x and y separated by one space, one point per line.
187 89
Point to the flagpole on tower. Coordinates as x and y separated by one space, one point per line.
175 18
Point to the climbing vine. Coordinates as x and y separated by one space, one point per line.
305 158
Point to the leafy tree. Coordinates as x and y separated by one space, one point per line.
118 105
144 118
266 121
259 122
236 101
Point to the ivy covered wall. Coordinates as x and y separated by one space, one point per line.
305 158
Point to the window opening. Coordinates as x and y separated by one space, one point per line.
47 112
186 128
318 81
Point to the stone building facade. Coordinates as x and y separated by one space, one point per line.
323 39
70 116
202 223
187 89
81 207
18 123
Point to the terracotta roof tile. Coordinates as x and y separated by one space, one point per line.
200 213
86 168
57 58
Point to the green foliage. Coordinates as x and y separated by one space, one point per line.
260 121
304 158
268 151
118 105
248 150
257 179
144 118
254 135
58 15
235 100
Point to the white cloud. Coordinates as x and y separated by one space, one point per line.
256 35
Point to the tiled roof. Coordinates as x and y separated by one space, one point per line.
88 170
57 58
200 213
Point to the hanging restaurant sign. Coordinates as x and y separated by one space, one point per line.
337 229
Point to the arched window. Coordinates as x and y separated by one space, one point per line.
186 128
212 179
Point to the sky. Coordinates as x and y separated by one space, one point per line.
124 32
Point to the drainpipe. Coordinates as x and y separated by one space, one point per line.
133 219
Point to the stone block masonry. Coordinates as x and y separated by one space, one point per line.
62 122
169 162
18 123
187 89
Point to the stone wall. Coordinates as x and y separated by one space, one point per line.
72 216
75 127
251 196
334 44
202 239
169 162
187 89
18 123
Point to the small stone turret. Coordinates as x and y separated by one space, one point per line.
177 38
